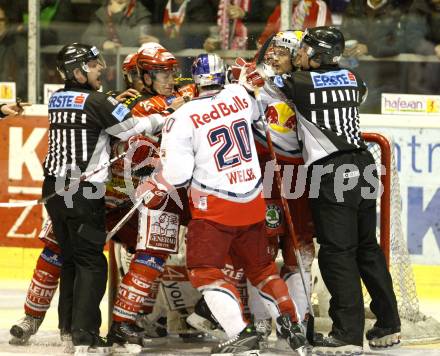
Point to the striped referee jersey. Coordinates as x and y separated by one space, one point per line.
327 103
81 122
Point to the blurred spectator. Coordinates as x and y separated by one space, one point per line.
184 24
120 23
426 17
338 6
233 17
151 6
376 27
55 15
13 55
381 28
305 13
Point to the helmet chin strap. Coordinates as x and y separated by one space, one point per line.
73 83
149 88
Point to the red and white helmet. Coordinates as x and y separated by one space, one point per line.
153 56
129 63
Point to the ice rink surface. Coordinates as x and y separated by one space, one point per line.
46 342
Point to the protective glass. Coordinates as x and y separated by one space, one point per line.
280 51
93 63
165 76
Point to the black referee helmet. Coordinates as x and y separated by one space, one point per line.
76 55
325 44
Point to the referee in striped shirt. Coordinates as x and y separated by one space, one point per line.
81 123
326 99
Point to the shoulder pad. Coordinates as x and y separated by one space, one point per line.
153 105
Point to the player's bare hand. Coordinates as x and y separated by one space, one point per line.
437 50
359 50
211 44
129 93
178 102
110 45
14 109
235 12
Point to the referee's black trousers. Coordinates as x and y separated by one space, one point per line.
346 232
80 232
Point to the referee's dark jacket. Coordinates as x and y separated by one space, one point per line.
326 105
81 123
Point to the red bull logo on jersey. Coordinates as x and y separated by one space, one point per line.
340 78
281 118
219 110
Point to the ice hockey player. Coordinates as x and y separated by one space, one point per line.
282 125
158 228
210 143
131 75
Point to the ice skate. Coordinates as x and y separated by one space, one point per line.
86 343
152 328
291 332
203 320
22 331
383 338
264 328
245 343
122 333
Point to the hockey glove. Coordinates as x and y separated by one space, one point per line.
143 149
152 192
250 78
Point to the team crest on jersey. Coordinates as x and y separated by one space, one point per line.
273 216
170 99
278 81
340 78
163 231
281 118
120 112
67 100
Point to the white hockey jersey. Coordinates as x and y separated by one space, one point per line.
282 125
209 143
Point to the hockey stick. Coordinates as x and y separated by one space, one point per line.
129 214
287 213
82 178
311 321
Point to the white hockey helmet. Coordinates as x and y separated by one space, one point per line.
208 69
290 39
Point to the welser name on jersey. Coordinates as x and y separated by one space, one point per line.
240 176
341 78
219 110
68 100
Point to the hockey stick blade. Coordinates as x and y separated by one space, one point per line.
82 178
288 216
